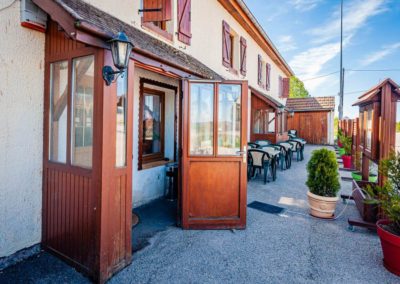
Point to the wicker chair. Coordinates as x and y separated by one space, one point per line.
259 160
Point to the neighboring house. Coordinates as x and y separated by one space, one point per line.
78 154
313 118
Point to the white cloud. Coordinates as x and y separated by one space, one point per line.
305 5
355 15
378 55
286 43
326 42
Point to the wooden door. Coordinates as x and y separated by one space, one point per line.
214 139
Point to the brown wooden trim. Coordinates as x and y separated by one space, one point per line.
153 28
142 89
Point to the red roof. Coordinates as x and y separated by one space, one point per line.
311 104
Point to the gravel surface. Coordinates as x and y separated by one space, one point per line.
288 248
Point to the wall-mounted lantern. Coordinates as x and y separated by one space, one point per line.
121 49
291 113
281 109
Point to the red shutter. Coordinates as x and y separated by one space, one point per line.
165 14
184 21
259 70
243 56
226 45
285 83
268 76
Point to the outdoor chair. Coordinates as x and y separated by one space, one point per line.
274 154
283 154
296 148
253 145
288 157
259 160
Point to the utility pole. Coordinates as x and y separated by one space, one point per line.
341 63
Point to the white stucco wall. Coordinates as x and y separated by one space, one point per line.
149 184
206 45
21 132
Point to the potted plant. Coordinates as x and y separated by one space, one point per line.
389 199
340 135
346 157
323 183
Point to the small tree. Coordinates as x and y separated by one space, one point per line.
323 175
388 196
297 89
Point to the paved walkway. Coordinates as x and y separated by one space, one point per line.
287 248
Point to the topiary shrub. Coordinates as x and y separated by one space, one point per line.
323 175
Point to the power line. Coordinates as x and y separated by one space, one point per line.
321 76
373 70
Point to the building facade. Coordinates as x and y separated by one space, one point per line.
56 114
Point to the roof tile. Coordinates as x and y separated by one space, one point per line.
311 103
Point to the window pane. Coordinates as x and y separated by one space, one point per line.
82 116
120 143
58 112
362 129
257 128
229 113
369 129
152 123
271 121
201 119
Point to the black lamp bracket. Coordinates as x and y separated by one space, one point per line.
110 76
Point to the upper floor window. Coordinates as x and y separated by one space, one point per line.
157 16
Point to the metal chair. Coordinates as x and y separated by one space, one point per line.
259 160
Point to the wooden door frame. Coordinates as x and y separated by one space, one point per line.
184 151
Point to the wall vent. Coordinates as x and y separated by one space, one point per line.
32 16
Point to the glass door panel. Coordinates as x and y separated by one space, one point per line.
229 119
201 119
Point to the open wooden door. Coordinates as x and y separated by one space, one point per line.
214 166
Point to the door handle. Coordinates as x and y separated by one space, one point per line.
243 153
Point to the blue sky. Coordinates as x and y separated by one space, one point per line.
307 33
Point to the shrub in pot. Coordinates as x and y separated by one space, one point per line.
323 183
388 197
346 157
340 135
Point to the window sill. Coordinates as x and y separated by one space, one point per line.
149 165
153 28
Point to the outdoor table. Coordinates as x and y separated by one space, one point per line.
286 145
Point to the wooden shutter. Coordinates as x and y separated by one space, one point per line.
259 70
268 76
285 83
280 89
243 56
184 21
165 14
226 45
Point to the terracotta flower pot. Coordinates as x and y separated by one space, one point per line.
390 248
346 161
321 206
